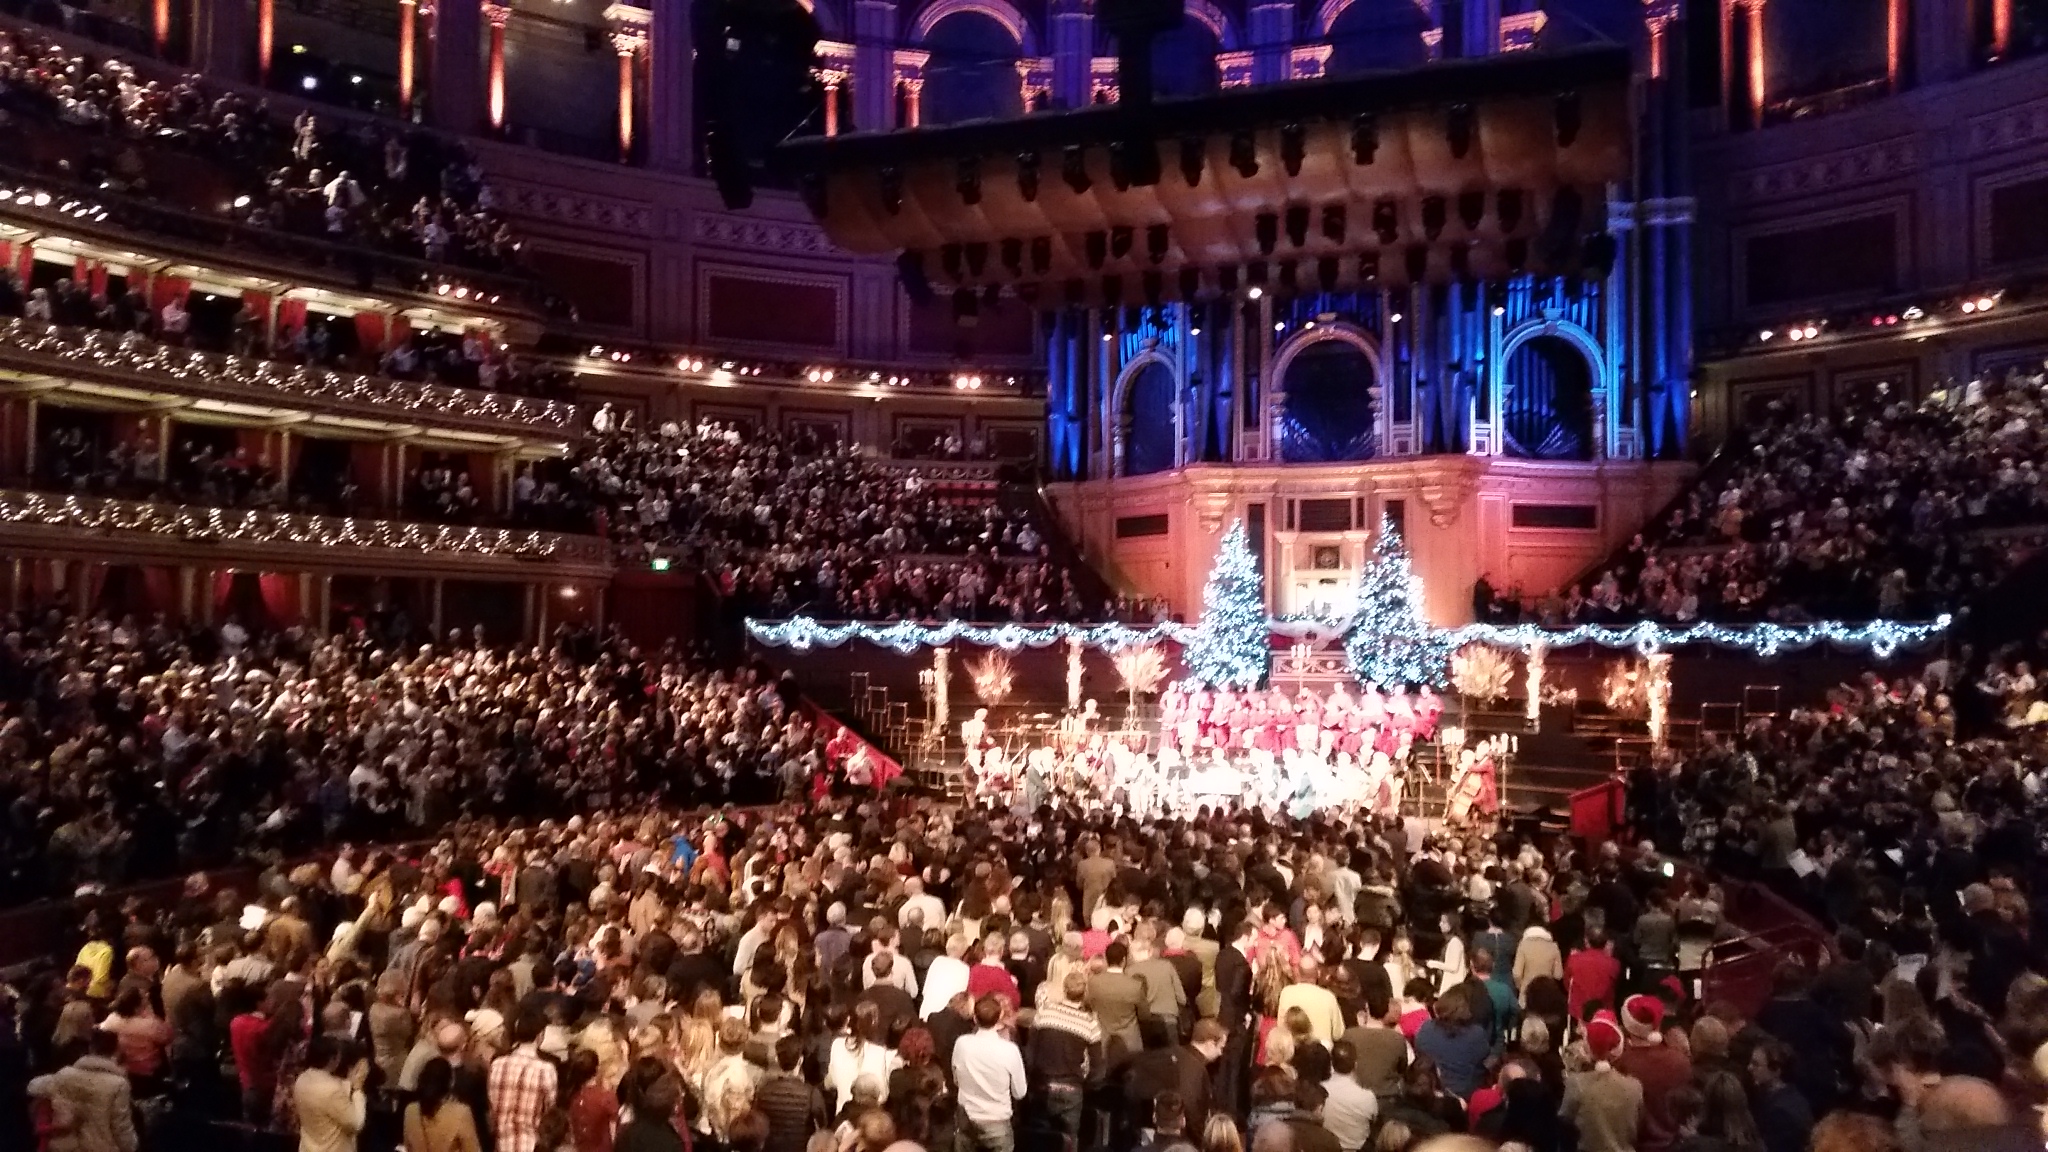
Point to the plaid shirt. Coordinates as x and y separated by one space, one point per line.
522 1089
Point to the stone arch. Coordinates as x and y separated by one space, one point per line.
1547 340
1000 11
1373 35
1272 415
1120 419
827 15
1216 20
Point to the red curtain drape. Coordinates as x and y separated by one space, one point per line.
370 328
291 316
280 597
160 588
259 303
97 276
167 289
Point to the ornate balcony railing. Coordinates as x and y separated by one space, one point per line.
271 382
182 522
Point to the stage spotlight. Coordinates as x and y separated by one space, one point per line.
1418 262
1570 115
1190 282
1011 253
1096 245
910 270
949 260
892 188
1153 284
1157 237
1297 224
1333 223
1368 268
1112 289
1041 254
1365 138
1434 213
1120 239
1293 146
1326 273
1226 278
966 308
991 295
1386 221
1027 176
977 258
1290 281
1471 209
1266 229
1458 130
1244 154
1074 169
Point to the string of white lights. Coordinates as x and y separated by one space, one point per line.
267 380
1881 638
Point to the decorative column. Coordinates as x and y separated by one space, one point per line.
907 69
454 77
2001 27
833 80
629 27
1895 44
499 15
874 72
671 88
1752 12
160 26
408 17
1073 52
942 675
266 37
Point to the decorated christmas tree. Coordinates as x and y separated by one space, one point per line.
1231 647
1390 642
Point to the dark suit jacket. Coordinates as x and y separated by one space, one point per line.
1233 988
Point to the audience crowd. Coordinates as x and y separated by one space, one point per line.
131 749
793 524
864 975
1889 509
211 324
363 184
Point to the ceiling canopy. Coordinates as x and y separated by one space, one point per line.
1460 170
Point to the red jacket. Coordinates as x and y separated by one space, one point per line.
1589 977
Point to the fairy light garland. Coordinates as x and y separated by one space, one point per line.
266 380
1882 638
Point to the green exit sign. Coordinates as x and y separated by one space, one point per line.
660 564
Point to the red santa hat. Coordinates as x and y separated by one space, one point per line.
1603 1035
1643 1016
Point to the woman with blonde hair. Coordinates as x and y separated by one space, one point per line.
1271 980
1220 1134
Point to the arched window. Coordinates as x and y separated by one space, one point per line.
1329 413
1148 421
1549 408
972 73
1375 35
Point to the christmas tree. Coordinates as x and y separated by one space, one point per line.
1390 643
1231 647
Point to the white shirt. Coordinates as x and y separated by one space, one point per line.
846 1064
900 975
990 1074
929 906
1349 1111
945 979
